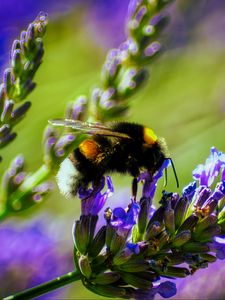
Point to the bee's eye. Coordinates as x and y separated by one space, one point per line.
149 136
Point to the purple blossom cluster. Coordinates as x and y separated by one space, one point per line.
139 245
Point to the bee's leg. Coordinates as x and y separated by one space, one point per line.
134 188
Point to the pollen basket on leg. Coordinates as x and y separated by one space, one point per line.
90 149
149 136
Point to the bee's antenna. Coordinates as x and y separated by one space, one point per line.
174 171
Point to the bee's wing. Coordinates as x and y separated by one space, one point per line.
88 128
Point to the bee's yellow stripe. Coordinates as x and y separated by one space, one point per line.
149 136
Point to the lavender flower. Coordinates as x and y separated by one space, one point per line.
116 250
138 246
26 57
207 173
123 72
16 181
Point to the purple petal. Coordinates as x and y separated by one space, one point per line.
167 289
189 190
92 199
206 173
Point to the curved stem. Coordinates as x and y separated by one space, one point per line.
47 286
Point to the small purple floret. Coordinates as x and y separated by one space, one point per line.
167 289
189 190
133 5
150 183
125 219
206 173
92 200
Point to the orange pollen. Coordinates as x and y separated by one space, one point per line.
202 212
149 136
90 149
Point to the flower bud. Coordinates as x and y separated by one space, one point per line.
8 82
19 112
135 280
77 110
182 238
195 247
122 256
205 223
207 234
110 232
130 81
208 257
169 220
7 111
2 97
111 67
152 50
106 290
117 243
163 238
80 234
175 272
30 37
189 223
85 266
15 46
134 265
106 278
180 211
17 62
4 130
153 229
7 139
143 215
63 144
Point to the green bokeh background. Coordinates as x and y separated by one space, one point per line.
183 101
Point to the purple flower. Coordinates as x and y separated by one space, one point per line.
92 200
29 256
125 219
207 173
133 248
166 289
133 5
150 183
189 190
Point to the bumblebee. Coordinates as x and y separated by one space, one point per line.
119 147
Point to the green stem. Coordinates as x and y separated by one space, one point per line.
46 287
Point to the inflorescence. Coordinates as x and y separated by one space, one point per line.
26 57
139 245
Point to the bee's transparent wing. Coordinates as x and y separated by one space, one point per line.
88 128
